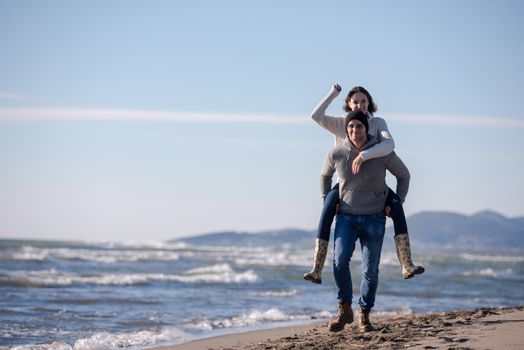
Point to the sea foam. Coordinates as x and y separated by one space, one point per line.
490 272
492 258
109 341
218 274
253 318
97 255
275 293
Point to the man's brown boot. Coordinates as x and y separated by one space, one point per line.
363 320
345 316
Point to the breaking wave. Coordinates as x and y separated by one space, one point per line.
253 318
490 272
109 341
492 258
275 293
219 274
96 255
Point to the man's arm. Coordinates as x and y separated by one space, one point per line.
396 167
332 124
326 175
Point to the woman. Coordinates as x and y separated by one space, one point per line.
359 99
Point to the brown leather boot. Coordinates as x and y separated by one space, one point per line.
363 320
344 317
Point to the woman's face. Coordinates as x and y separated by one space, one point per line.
359 102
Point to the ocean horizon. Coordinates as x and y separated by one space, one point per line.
107 295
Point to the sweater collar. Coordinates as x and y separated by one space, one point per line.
372 140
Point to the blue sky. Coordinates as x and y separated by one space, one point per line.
135 120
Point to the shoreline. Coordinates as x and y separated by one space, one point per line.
485 328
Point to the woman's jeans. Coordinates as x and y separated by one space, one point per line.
330 207
369 229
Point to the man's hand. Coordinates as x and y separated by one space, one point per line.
387 211
357 163
337 87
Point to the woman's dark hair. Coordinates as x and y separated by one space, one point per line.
372 107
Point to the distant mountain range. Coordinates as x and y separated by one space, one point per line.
263 238
485 230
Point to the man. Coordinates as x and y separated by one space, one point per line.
360 215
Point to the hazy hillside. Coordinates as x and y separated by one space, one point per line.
484 230
264 238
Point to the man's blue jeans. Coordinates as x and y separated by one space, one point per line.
329 210
369 229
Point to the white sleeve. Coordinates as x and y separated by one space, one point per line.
384 147
335 125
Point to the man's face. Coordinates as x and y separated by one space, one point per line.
357 132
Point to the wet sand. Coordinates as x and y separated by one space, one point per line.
487 328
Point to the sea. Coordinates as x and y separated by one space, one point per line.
106 295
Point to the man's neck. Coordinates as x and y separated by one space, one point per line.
358 144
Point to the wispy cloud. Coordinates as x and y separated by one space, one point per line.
9 96
100 114
70 114
456 120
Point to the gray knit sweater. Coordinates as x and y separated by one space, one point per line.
366 192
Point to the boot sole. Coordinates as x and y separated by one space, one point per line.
336 330
366 328
418 271
307 278
339 329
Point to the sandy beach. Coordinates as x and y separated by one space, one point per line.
486 328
